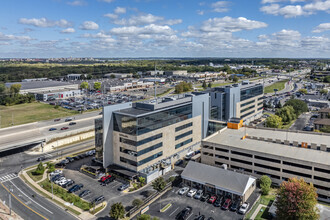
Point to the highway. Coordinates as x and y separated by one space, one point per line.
25 202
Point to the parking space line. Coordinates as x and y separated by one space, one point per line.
174 211
116 185
190 215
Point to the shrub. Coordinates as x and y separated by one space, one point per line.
40 169
265 183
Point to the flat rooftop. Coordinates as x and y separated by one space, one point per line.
39 84
233 138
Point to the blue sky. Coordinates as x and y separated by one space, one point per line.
165 28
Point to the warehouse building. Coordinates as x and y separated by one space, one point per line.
275 153
57 94
149 137
43 86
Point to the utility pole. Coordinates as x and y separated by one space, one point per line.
9 203
52 191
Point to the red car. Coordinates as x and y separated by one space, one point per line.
226 205
212 199
104 178
57 119
65 128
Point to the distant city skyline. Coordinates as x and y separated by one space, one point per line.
165 28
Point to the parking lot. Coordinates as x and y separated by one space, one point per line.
198 207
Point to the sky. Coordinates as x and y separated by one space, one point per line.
165 28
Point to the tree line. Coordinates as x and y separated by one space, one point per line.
11 96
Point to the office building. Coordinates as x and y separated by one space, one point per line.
148 137
276 153
236 101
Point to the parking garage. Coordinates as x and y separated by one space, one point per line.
218 181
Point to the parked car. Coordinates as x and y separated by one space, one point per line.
57 119
56 172
201 217
84 193
68 119
75 188
219 201
98 200
70 159
205 197
226 204
56 177
183 190
52 129
42 158
64 128
104 178
59 180
198 194
243 209
68 183
107 181
76 158
72 123
234 207
123 187
184 213
191 192
212 199
178 163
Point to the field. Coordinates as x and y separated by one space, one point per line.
30 112
278 85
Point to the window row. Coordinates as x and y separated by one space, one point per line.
183 143
183 135
144 141
183 126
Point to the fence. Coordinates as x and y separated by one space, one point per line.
137 209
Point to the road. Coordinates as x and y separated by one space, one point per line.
23 202
301 122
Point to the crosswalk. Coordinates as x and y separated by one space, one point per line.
8 177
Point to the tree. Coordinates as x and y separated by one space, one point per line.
235 79
40 169
265 183
84 85
303 91
117 211
142 180
183 87
15 88
204 85
159 184
274 121
326 79
299 106
325 129
209 85
286 113
296 200
112 76
137 202
97 85
2 88
146 217
322 91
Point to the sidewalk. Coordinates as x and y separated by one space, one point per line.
257 211
84 215
4 213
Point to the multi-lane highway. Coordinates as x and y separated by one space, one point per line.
25 202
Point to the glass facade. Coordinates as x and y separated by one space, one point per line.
183 143
148 159
251 92
183 127
144 124
144 141
183 135
144 151
214 127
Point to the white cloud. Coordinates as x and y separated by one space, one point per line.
110 15
322 27
68 31
44 22
220 6
10 37
145 30
275 1
318 5
200 12
120 10
77 3
288 11
143 19
89 25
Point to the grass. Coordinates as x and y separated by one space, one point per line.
35 178
278 85
263 214
165 93
287 126
49 197
31 112
97 209
166 207
264 200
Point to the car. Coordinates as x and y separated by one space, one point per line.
76 158
63 182
178 163
107 181
42 158
123 187
56 177
212 199
72 123
84 193
59 180
235 205
205 197
57 119
98 200
104 178
68 119
82 156
226 204
183 190
201 217
218 202
198 194
52 129
191 192
243 209
70 159
75 188
68 183
184 214
56 172
64 128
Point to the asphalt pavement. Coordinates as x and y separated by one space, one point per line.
301 122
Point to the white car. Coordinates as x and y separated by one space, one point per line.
183 191
56 172
64 182
199 194
59 180
191 192
243 208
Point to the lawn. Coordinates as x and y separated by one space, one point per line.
278 85
265 200
35 178
31 112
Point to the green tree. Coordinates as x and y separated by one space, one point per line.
84 85
235 79
299 106
15 88
117 211
2 88
326 79
303 91
40 169
265 183
137 202
296 200
142 180
112 76
209 85
146 217
97 85
159 184
183 87
286 113
204 85
325 129
322 91
274 121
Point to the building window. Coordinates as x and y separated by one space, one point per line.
247 103
183 135
247 114
148 159
130 162
248 108
183 127
144 141
183 143
144 151
251 92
